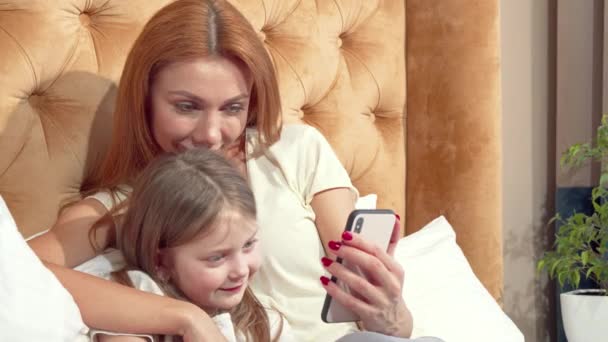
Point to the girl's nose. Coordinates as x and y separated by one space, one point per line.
240 268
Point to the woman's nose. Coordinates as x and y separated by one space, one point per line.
208 131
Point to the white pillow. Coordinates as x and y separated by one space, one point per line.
444 295
34 306
367 202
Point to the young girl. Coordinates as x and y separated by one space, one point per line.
190 233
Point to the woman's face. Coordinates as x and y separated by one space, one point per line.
203 102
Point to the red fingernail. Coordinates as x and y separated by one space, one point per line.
326 261
347 236
324 280
334 245
398 217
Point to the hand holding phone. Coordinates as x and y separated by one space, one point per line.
374 226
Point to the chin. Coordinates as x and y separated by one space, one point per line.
230 303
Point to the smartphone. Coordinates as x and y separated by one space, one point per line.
375 226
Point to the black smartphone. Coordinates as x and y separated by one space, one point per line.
375 226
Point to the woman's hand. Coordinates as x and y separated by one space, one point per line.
377 298
197 326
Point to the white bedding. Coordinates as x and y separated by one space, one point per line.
34 304
445 297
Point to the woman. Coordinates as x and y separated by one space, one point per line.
198 76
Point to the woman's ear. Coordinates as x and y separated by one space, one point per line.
163 262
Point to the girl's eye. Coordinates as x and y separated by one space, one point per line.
215 258
185 106
249 244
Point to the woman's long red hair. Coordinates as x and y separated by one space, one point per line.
182 30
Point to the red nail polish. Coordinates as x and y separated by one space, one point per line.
398 217
347 236
324 280
326 261
334 245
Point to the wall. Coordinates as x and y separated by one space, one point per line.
528 83
555 87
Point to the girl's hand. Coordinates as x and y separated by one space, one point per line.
377 299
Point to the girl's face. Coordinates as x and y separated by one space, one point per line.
203 102
214 269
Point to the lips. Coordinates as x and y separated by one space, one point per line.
232 289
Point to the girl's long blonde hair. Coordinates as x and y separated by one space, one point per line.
176 198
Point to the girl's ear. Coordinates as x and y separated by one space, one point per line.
163 264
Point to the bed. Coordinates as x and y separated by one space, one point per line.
407 93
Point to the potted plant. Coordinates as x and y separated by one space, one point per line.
580 249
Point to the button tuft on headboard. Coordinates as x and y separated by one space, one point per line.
262 35
85 19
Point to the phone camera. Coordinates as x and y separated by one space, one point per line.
358 225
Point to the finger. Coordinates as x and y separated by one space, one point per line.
395 236
347 300
356 284
371 265
355 240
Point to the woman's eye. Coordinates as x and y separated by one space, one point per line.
185 106
235 108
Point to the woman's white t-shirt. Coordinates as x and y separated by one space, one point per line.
284 180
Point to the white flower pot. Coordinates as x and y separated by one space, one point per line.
585 316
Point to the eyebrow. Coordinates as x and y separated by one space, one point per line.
199 99
223 251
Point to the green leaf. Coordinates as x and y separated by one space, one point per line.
553 268
584 257
561 278
577 279
603 178
540 266
589 271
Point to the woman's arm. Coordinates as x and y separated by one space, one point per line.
67 242
119 338
332 208
109 306
104 304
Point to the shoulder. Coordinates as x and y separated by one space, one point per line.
292 135
144 282
279 327
109 199
297 132
298 140
86 207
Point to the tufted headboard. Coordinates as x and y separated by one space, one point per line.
341 67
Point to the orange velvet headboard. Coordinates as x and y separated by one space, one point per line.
342 68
